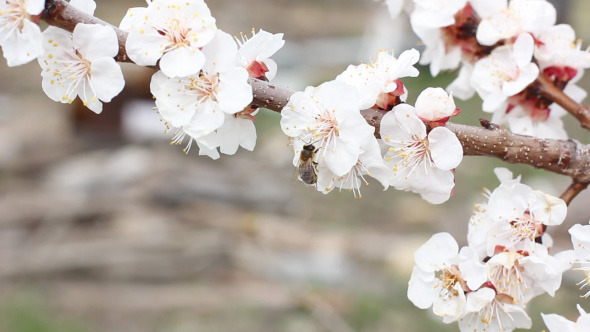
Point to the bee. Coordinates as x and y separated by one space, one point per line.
306 166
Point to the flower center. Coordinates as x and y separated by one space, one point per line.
205 85
328 125
13 15
507 278
176 33
448 278
72 71
526 228
412 153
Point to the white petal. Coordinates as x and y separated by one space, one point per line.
87 6
461 86
34 7
107 78
473 272
341 156
234 92
401 123
221 53
182 62
420 292
23 46
581 240
272 69
435 252
548 209
528 74
496 100
145 49
445 148
95 41
557 323
206 120
503 174
261 46
436 187
523 49
479 299
229 135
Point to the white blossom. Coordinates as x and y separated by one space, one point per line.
421 161
327 116
494 314
514 217
523 276
442 275
370 163
378 82
501 20
81 64
557 46
20 35
255 53
199 103
172 31
504 73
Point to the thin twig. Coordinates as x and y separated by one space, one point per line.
580 112
572 191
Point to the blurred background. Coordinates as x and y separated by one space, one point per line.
106 227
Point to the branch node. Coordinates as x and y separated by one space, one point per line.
488 125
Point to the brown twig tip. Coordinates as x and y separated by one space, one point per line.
572 191
488 125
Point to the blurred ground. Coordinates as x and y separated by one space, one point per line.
106 227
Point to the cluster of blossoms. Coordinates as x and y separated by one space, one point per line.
502 48
421 152
580 235
79 64
202 88
487 284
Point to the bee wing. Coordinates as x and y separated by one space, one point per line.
307 172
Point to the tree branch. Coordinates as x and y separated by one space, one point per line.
572 191
566 157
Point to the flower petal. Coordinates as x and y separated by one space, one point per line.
445 148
